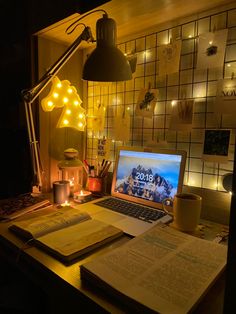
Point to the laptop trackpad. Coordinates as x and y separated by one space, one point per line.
133 226
108 216
129 225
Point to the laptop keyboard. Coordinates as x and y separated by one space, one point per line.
141 212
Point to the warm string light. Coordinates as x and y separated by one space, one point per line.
62 94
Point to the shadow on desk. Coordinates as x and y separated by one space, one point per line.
18 295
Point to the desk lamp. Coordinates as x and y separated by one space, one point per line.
106 63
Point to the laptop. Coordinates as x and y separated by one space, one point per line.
142 179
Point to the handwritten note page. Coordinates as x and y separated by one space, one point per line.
163 269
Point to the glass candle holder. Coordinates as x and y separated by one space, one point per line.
72 170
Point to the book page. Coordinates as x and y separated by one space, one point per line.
163 269
56 220
78 238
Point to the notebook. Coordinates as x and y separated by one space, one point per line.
141 178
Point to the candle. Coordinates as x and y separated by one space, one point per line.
61 191
72 186
67 203
82 196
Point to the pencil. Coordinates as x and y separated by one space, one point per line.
105 169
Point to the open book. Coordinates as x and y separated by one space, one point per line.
66 233
15 207
163 270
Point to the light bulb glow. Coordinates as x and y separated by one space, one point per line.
55 95
50 103
65 122
68 111
191 182
69 90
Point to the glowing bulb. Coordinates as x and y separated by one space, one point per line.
128 108
228 65
76 102
146 54
68 111
50 103
191 182
210 42
80 124
173 103
59 85
65 122
190 36
81 116
55 95
69 90
65 100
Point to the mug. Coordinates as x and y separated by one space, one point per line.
186 211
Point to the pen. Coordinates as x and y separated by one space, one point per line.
105 169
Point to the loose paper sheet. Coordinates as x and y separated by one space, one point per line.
211 49
103 145
226 97
169 56
216 145
182 116
97 121
146 102
122 126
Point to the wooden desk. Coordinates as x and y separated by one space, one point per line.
63 285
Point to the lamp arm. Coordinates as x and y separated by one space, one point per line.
30 95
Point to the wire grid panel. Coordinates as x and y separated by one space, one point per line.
188 83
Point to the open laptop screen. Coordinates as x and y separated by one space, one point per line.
148 177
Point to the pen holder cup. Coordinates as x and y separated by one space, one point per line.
95 184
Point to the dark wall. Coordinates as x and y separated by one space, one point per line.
19 20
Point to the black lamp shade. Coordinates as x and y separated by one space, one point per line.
106 63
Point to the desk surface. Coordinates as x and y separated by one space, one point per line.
63 283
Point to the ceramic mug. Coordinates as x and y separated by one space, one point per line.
186 211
